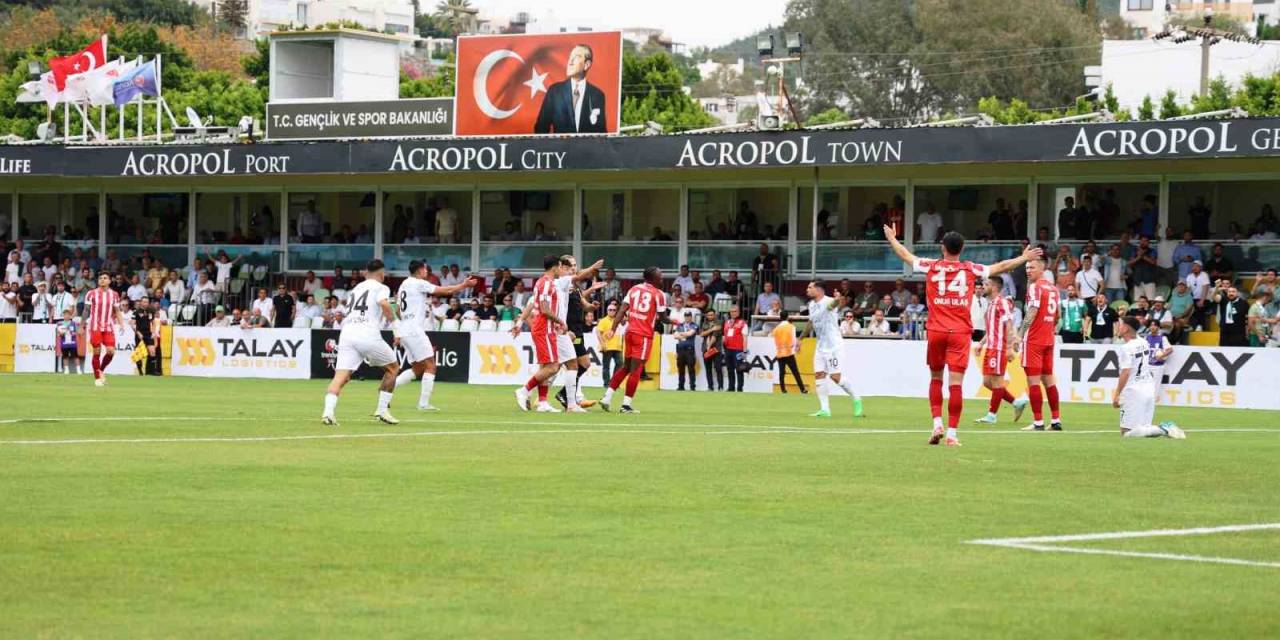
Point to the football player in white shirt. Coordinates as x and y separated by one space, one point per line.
368 305
1135 394
414 302
825 324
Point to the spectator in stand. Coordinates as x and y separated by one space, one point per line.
337 280
735 345
450 276
1140 309
1182 306
766 299
282 308
1185 254
865 303
13 270
486 310
1144 269
683 280
849 327
901 296
63 300
785 347
699 300
1266 283
1099 324
1219 265
255 320
69 342
222 265
610 341
1067 219
309 309
1165 250
1160 313
1233 314
712 353
684 333
203 294
1198 281
1199 214
1071 317
446 227
520 296
119 285
715 285
1088 280
503 282
26 291
765 266
41 307
174 290
1261 320
612 288
455 310
929 223
157 274
1045 241
1114 274
877 325
888 307
310 283
310 224
9 302
47 270
263 305
1001 221
1064 267
508 312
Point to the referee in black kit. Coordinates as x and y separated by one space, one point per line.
580 302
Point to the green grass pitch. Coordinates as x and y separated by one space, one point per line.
208 508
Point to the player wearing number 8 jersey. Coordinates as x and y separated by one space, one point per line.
949 286
413 300
1039 328
643 306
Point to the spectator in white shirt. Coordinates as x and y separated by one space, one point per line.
136 290
877 325
23 255
13 270
1088 279
450 276
223 264
263 305
174 289
204 290
930 223
849 327
42 304
49 269
311 283
309 309
684 281
310 224
8 302
63 300
254 319
219 318
446 223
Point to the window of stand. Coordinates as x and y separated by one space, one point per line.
850 229
148 223
727 226
631 228
330 228
1083 211
432 226
994 212
68 216
518 228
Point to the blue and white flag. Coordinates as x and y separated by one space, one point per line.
141 80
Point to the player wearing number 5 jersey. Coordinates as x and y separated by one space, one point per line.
949 287
413 301
1039 328
368 305
644 305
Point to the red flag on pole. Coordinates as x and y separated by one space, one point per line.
93 56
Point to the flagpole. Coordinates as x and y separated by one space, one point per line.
66 121
159 100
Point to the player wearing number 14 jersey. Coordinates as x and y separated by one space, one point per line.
949 287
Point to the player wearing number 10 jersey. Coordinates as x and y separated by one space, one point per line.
641 308
1039 327
949 287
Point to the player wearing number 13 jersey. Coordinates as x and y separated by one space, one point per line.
1039 327
641 308
949 287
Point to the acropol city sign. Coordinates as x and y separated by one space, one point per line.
1238 138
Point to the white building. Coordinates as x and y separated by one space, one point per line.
709 68
725 109
265 16
1148 17
1139 68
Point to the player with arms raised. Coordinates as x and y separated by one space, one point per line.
1039 328
413 300
641 309
949 286
104 315
826 359
368 305
998 348
1135 394
553 346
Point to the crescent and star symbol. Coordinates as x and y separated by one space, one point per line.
480 86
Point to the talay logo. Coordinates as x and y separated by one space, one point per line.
195 352
498 359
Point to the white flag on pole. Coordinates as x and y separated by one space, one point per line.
96 86
42 90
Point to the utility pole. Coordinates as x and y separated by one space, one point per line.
1205 43
1208 36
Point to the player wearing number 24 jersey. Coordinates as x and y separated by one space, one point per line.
949 287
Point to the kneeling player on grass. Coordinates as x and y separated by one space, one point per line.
413 300
949 285
1135 394
998 349
1039 328
644 305
826 358
361 341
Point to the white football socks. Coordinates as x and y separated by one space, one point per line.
404 378
824 394
571 388
608 395
847 385
330 403
428 383
384 400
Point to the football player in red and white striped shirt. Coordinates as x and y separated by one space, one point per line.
949 286
103 311
998 349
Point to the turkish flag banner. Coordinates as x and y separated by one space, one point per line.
557 83
93 56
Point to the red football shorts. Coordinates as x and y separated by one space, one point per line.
1037 359
950 350
637 347
994 362
102 338
544 347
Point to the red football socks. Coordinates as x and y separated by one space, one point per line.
1051 392
529 386
633 381
97 365
996 399
935 398
1037 401
955 404
1008 397
542 392
619 375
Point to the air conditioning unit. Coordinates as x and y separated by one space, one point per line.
768 122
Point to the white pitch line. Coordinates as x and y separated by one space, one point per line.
406 434
1037 543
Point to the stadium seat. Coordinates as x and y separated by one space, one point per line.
260 273
237 285
487 325
321 295
506 325
317 322
448 325
469 325
301 322
187 314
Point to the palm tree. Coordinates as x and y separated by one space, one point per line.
457 16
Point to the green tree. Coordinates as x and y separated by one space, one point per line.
233 13
438 84
1218 98
455 16
829 116
1147 110
165 12
653 89
218 94
1259 95
1169 106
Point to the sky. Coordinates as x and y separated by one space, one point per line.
695 23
